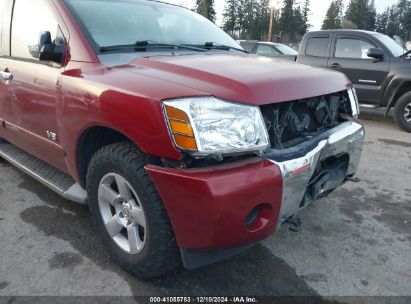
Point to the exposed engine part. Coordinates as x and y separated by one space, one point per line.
292 123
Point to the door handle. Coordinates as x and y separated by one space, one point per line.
335 66
6 75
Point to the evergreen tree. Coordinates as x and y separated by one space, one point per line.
247 19
294 21
404 17
362 14
305 15
263 15
395 20
244 14
258 19
287 21
407 25
335 16
298 22
206 8
230 17
371 16
393 25
382 21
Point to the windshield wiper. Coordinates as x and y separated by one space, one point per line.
217 46
405 54
146 44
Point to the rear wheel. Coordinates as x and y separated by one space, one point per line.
129 213
402 112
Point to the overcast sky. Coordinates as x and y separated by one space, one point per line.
318 8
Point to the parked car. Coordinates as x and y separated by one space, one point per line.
184 148
378 66
269 49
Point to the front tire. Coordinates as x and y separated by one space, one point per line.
129 213
402 112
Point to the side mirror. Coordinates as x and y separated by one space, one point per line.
44 39
376 53
35 48
49 51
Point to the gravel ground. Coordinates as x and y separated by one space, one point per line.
354 243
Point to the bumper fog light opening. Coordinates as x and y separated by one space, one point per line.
252 216
259 218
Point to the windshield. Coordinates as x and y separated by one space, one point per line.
396 49
286 50
124 22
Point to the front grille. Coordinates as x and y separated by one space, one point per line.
291 123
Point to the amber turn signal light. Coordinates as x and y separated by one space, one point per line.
187 143
181 129
174 113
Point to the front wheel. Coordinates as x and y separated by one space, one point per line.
129 213
402 112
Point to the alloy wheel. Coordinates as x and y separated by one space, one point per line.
407 113
122 213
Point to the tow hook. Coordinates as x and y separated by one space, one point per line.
353 179
295 224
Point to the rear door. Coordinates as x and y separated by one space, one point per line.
5 104
349 56
315 50
36 85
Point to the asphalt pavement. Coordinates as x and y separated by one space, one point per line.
357 242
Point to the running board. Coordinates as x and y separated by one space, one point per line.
49 176
369 106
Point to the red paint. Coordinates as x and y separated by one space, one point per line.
208 207
244 78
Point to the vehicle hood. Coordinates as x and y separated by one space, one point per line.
242 78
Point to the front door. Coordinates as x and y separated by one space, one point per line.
367 75
35 87
5 104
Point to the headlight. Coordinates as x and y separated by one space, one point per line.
207 125
355 105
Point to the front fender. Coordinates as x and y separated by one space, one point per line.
395 82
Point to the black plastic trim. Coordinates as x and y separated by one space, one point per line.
195 258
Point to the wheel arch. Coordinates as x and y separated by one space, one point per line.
90 141
397 87
403 89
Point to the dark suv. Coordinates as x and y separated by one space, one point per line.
378 66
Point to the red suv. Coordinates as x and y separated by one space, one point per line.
185 148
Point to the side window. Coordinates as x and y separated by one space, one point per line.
30 19
317 46
249 47
2 10
266 50
352 48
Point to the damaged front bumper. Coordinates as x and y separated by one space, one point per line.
218 211
314 168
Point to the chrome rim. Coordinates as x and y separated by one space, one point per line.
122 213
407 113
